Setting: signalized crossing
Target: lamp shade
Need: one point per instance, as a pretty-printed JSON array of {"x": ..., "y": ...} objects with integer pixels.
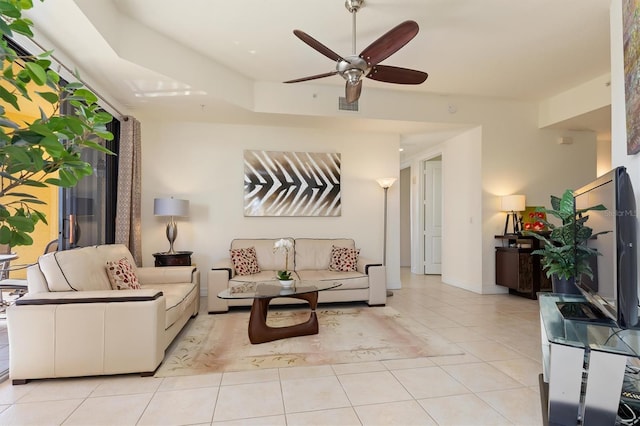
[
  {"x": 170, "y": 207},
  {"x": 512, "y": 203},
  {"x": 386, "y": 182}
]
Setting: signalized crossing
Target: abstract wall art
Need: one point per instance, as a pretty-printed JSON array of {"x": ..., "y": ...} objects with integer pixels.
[
  {"x": 280, "y": 183},
  {"x": 631, "y": 46}
]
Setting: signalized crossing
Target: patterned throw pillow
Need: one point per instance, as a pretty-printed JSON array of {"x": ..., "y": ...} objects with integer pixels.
[
  {"x": 343, "y": 259},
  {"x": 245, "y": 261},
  {"x": 122, "y": 275}
]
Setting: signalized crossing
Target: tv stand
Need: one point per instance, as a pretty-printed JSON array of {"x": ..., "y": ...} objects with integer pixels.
[
  {"x": 583, "y": 364},
  {"x": 583, "y": 311}
]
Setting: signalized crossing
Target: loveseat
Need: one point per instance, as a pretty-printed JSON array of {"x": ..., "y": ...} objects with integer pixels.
[
  {"x": 73, "y": 323},
  {"x": 309, "y": 260}
]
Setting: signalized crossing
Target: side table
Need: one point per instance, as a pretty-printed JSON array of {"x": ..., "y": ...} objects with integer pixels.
[{"x": 179, "y": 258}]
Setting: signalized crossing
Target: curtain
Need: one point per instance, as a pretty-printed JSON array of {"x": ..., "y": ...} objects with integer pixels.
[{"x": 128, "y": 217}]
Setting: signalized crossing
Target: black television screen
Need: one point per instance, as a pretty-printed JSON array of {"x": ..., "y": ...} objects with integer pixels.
[{"x": 614, "y": 287}]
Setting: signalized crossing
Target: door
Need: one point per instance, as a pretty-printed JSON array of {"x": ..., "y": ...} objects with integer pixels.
[
  {"x": 432, "y": 217},
  {"x": 87, "y": 211}
]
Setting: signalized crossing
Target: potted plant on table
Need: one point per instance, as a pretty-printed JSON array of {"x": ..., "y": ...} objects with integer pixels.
[
  {"x": 565, "y": 255},
  {"x": 284, "y": 245}
]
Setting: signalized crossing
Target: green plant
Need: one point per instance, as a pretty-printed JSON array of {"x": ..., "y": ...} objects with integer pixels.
[
  {"x": 284, "y": 275},
  {"x": 44, "y": 151},
  {"x": 565, "y": 253}
]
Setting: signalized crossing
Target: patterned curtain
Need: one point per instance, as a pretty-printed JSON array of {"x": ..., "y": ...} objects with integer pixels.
[{"x": 128, "y": 216}]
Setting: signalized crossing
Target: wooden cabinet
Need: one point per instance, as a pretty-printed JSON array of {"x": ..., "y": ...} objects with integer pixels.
[
  {"x": 517, "y": 268},
  {"x": 179, "y": 258}
]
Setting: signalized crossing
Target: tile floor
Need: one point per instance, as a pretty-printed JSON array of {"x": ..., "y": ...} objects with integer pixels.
[{"x": 494, "y": 383}]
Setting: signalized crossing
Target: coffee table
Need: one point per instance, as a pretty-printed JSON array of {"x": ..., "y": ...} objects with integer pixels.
[{"x": 263, "y": 292}]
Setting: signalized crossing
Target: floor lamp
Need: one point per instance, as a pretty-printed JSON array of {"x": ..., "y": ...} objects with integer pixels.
[{"x": 385, "y": 183}]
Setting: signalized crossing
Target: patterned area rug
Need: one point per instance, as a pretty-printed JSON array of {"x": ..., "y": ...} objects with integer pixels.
[{"x": 218, "y": 343}]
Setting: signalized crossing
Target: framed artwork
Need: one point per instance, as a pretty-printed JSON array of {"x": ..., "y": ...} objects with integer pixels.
[
  {"x": 531, "y": 219},
  {"x": 278, "y": 183},
  {"x": 631, "y": 47}
]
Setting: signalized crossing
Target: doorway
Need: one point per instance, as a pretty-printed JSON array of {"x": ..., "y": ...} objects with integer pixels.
[
  {"x": 432, "y": 215},
  {"x": 421, "y": 201}
]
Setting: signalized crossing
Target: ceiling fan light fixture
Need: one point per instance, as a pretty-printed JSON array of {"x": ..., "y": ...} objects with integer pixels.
[
  {"x": 353, "y": 67},
  {"x": 352, "y": 76}
]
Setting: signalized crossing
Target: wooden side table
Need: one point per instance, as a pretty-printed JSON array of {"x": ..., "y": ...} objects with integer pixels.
[{"x": 179, "y": 258}]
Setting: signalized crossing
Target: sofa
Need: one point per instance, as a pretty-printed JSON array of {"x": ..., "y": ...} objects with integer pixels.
[
  {"x": 73, "y": 323},
  {"x": 309, "y": 260}
]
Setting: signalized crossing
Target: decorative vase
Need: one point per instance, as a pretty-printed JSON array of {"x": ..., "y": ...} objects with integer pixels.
[
  {"x": 286, "y": 283},
  {"x": 564, "y": 285}
]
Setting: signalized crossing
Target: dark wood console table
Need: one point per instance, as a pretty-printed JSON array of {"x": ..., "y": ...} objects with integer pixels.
[
  {"x": 517, "y": 268},
  {"x": 179, "y": 258}
]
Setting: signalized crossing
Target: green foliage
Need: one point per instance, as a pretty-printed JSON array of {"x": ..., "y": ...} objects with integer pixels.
[
  {"x": 565, "y": 252},
  {"x": 47, "y": 150},
  {"x": 284, "y": 275}
]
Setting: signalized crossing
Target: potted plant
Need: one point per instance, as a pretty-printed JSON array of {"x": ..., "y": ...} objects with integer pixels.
[
  {"x": 284, "y": 245},
  {"x": 565, "y": 255},
  {"x": 44, "y": 150}
]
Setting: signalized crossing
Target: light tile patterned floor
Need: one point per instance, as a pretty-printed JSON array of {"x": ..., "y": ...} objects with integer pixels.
[{"x": 494, "y": 383}]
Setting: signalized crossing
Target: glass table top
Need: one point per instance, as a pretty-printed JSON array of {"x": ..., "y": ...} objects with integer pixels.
[
  {"x": 270, "y": 289},
  {"x": 603, "y": 336}
]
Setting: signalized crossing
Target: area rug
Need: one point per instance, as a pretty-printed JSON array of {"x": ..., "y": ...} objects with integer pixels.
[{"x": 219, "y": 343}]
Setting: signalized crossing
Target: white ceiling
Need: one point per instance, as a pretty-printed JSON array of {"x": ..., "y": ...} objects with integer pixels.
[
  {"x": 497, "y": 48},
  {"x": 513, "y": 49}
]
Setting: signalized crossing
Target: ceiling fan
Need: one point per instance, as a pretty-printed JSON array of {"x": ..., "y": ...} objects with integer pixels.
[{"x": 367, "y": 63}]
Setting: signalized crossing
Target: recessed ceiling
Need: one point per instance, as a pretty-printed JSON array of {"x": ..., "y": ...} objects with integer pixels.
[
  {"x": 497, "y": 48},
  {"x": 521, "y": 50}
]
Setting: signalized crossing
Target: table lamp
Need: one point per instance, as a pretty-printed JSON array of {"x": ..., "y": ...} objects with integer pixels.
[
  {"x": 512, "y": 204},
  {"x": 173, "y": 208}
]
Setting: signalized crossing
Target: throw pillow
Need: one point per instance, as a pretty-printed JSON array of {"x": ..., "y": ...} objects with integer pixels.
[
  {"x": 343, "y": 259},
  {"x": 245, "y": 261},
  {"x": 122, "y": 275}
]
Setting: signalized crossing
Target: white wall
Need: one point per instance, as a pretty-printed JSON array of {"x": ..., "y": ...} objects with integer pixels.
[
  {"x": 576, "y": 101},
  {"x": 619, "y": 155},
  {"x": 506, "y": 154},
  {"x": 405, "y": 217},
  {"x": 203, "y": 162},
  {"x": 462, "y": 210},
  {"x": 530, "y": 162}
]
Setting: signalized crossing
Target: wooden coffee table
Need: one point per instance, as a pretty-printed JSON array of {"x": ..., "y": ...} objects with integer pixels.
[{"x": 263, "y": 292}]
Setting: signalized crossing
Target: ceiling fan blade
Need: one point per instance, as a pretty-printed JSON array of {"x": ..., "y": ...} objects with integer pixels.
[
  {"x": 390, "y": 42},
  {"x": 397, "y": 75},
  {"x": 312, "y": 77},
  {"x": 317, "y": 45},
  {"x": 353, "y": 91}
]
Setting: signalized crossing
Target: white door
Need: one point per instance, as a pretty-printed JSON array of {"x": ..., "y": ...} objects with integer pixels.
[{"x": 432, "y": 217}]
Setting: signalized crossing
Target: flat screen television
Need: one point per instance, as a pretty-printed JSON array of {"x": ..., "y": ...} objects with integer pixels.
[{"x": 614, "y": 287}]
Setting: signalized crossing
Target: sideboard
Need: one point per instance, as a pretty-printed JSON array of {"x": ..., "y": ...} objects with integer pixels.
[{"x": 517, "y": 268}]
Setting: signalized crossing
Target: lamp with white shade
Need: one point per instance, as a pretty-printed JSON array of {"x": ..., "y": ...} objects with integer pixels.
[
  {"x": 385, "y": 183},
  {"x": 512, "y": 204},
  {"x": 171, "y": 207}
]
